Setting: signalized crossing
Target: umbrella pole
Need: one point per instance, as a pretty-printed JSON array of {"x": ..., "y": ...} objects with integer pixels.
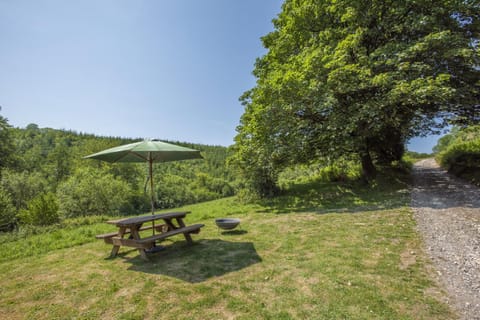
[{"x": 152, "y": 201}]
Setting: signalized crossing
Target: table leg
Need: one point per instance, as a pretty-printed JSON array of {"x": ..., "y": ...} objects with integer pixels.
[
  {"x": 187, "y": 236},
  {"x": 136, "y": 235},
  {"x": 170, "y": 224},
  {"x": 115, "y": 248}
]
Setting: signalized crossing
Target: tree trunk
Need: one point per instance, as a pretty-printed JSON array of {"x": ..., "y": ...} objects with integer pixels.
[{"x": 369, "y": 172}]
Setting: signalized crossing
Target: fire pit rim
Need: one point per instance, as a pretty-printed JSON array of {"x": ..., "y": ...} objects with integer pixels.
[{"x": 227, "y": 223}]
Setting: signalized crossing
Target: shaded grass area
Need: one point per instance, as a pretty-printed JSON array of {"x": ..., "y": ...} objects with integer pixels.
[
  {"x": 293, "y": 265},
  {"x": 390, "y": 190}
]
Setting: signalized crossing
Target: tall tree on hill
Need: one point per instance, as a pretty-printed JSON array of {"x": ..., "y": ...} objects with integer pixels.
[
  {"x": 6, "y": 143},
  {"x": 358, "y": 77}
]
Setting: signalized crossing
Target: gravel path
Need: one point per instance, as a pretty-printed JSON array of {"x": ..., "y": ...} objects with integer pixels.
[{"x": 447, "y": 211}]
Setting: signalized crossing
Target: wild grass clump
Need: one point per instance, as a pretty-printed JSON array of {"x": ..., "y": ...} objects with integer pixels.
[{"x": 338, "y": 171}]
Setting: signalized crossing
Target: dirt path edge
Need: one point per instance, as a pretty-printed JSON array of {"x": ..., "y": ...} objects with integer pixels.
[{"x": 447, "y": 212}]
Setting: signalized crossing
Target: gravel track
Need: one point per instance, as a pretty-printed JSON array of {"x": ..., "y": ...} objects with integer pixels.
[{"x": 447, "y": 211}]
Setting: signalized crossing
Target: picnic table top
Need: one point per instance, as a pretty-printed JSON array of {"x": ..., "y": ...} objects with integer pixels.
[{"x": 142, "y": 219}]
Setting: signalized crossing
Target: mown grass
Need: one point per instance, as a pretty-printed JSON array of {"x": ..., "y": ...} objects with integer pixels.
[{"x": 337, "y": 251}]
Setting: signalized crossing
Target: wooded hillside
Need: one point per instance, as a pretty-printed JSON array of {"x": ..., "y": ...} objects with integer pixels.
[{"x": 45, "y": 178}]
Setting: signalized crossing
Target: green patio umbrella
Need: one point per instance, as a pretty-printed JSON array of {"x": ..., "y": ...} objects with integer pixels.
[{"x": 149, "y": 151}]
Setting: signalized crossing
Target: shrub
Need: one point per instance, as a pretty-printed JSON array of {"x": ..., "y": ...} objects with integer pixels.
[
  {"x": 41, "y": 211},
  {"x": 22, "y": 186},
  {"x": 339, "y": 171},
  {"x": 466, "y": 154},
  {"x": 462, "y": 156},
  {"x": 92, "y": 192},
  {"x": 136, "y": 202},
  {"x": 174, "y": 190},
  {"x": 463, "y": 159},
  {"x": 7, "y": 210}
]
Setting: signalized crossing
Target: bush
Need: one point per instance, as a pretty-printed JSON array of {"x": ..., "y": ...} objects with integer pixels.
[
  {"x": 41, "y": 211},
  {"x": 8, "y": 213},
  {"x": 339, "y": 171},
  {"x": 174, "y": 190},
  {"x": 463, "y": 160},
  {"x": 342, "y": 170},
  {"x": 23, "y": 186},
  {"x": 462, "y": 156},
  {"x": 263, "y": 182},
  {"x": 466, "y": 154},
  {"x": 135, "y": 203},
  {"x": 92, "y": 192}
]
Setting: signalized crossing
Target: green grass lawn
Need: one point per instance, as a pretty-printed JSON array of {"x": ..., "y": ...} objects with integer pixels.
[{"x": 320, "y": 252}]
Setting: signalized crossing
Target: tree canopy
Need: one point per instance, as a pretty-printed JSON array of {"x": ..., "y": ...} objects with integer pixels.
[
  {"x": 357, "y": 78},
  {"x": 6, "y": 143}
]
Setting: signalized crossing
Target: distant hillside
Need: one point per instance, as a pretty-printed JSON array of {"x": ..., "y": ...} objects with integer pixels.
[{"x": 48, "y": 171}]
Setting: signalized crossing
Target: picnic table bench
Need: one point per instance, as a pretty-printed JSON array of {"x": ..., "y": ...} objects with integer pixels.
[{"x": 172, "y": 225}]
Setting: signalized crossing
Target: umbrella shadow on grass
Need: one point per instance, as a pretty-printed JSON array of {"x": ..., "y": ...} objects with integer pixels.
[{"x": 201, "y": 261}]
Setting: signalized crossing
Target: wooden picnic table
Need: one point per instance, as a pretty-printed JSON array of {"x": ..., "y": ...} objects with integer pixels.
[{"x": 172, "y": 225}]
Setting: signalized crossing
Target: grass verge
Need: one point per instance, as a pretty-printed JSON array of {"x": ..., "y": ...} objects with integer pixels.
[{"x": 319, "y": 252}]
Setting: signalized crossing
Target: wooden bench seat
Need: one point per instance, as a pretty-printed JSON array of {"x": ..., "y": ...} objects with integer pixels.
[
  {"x": 194, "y": 228},
  {"x": 148, "y": 242}
]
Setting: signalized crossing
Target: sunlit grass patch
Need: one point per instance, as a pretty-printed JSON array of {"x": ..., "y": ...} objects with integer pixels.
[{"x": 351, "y": 263}]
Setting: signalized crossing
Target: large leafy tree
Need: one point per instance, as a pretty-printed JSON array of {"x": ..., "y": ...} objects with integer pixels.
[
  {"x": 358, "y": 78},
  {"x": 6, "y": 143}
]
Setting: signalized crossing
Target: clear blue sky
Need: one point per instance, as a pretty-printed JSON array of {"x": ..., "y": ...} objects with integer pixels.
[
  {"x": 423, "y": 145},
  {"x": 167, "y": 69}
]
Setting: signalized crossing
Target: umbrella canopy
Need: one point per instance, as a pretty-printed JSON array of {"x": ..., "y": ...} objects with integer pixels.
[{"x": 147, "y": 151}]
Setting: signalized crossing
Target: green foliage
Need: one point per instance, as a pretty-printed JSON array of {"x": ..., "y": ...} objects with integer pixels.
[
  {"x": 257, "y": 170},
  {"x": 91, "y": 192},
  {"x": 41, "y": 211},
  {"x": 443, "y": 143},
  {"x": 187, "y": 182},
  {"x": 177, "y": 190},
  {"x": 23, "y": 186},
  {"x": 339, "y": 171},
  {"x": 459, "y": 153},
  {"x": 417, "y": 155},
  {"x": 260, "y": 182},
  {"x": 51, "y": 161},
  {"x": 357, "y": 79},
  {"x": 465, "y": 154},
  {"x": 410, "y": 157},
  {"x": 7, "y": 148},
  {"x": 302, "y": 255},
  {"x": 7, "y": 210}
]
